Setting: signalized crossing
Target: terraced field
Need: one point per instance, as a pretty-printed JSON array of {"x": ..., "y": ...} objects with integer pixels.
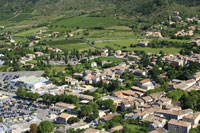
[{"x": 89, "y": 22}]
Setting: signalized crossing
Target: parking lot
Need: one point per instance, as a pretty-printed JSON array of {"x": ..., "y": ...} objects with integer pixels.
[
  {"x": 8, "y": 76},
  {"x": 17, "y": 111}
]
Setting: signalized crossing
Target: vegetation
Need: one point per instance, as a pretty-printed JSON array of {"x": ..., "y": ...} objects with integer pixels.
[{"x": 45, "y": 127}]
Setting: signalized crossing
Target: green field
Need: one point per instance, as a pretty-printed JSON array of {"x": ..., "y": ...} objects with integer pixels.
[
  {"x": 5, "y": 16},
  {"x": 156, "y": 50},
  {"x": 64, "y": 42},
  {"x": 116, "y": 44},
  {"x": 133, "y": 128},
  {"x": 78, "y": 46},
  {"x": 30, "y": 32},
  {"x": 69, "y": 44},
  {"x": 21, "y": 17},
  {"x": 3, "y": 68},
  {"x": 89, "y": 22},
  {"x": 111, "y": 59},
  {"x": 177, "y": 40}
]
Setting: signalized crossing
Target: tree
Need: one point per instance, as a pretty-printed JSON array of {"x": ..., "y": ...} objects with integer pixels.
[
  {"x": 33, "y": 128},
  {"x": 72, "y": 120},
  {"x": 1, "y": 119},
  {"x": 46, "y": 127}
]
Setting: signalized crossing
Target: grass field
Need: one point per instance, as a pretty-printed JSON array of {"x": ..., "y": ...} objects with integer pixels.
[
  {"x": 5, "y": 16},
  {"x": 30, "y": 32},
  {"x": 21, "y": 17},
  {"x": 111, "y": 34},
  {"x": 69, "y": 44},
  {"x": 119, "y": 28},
  {"x": 177, "y": 40},
  {"x": 3, "y": 68},
  {"x": 89, "y": 22},
  {"x": 116, "y": 44},
  {"x": 133, "y": 128},
  {"x": 155, "y": 50},
  {"x": 64, "y": 42},
  {"x": 111, "y": 59},
  {"x": 78, "y": 46}
]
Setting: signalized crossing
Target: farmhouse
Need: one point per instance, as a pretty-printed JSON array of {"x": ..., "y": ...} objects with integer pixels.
[{"x": 143, "y": 43}]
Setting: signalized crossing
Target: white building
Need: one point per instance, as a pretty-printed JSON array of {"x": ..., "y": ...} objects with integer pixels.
[
  {"x": 31, "y": 82},
  {"x": 93, "y": 64},
  {"x": 146, "y": 84}
]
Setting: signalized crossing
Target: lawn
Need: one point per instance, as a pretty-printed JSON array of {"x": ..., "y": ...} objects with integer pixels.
[
  {"x": 89, "y": 22},
  {"x": 133, "y": 128},
  {"x": 30, "y": 32}
]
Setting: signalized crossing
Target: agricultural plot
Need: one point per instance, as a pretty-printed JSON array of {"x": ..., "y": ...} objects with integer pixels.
[
  {"x": 69, "y": 44},
  {"x": 4, "y": 17},
  {"x": 116, "y": 44},
  {"x": 89, "y": 22},
  {"x": 155, "y": 50},
  {"x": 113, "y": 59},
  {"x": 30, "y": 32},
  {"x": 21, "y": 17}
]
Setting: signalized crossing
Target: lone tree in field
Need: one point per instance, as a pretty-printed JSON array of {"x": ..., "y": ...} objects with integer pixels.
[{"x": 46, "y": 127}]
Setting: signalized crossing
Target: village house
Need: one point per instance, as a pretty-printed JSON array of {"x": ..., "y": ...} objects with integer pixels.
[
  {"x": 60, "y": 107},
  {"x": 127, "y": 105},
  {"x": 91, "y": 130},
  {"x": 146, "y": 84},
  {"x": 93, "y": 64},
  {"x": 155, "y": 121},
  {"x": 63, "y": 118},
  {"x": 175, "y": 114},
  {"x": 196, "y": 76},
  {"x": 118, "y": 52},
  {"x": 38, "y": 54},
  {"x": 116, "y": 128},
  {"x": 30, "y": 56},
  {"x": 196, "y": 41},
  {"x": 154, "y": 34},
  {"x": 193, "y": 118},
  {"x": 107, "y": 117},
  {"x": 178, "y": 126},
  {"x": 139, "y": 72},
  {"x": 158, "y": 130},
  {"x": 104, "y": 53},
  {"x": 147, "y": 99},
  {"x": 71, "y": 81},
  {"x": 143, "y": 43}
]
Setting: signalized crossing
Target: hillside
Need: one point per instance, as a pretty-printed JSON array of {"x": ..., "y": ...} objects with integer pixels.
[{"x": 152, "y": 8}]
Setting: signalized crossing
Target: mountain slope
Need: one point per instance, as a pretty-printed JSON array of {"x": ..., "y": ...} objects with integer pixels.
[{"x": 142, "y": 10}]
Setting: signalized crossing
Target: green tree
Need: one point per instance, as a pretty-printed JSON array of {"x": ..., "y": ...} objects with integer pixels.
[{"x": 46, "y": 127}]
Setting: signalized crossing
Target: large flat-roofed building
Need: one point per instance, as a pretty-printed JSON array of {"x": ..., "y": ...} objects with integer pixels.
[{"x": 31, "y": 82}]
